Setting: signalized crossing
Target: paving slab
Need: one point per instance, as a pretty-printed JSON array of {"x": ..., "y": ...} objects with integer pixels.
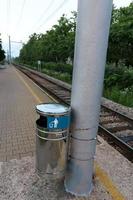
[{"x": 17, "y": 114}]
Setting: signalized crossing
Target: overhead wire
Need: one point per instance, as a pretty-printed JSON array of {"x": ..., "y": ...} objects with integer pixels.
[
  {"x": 43, "y": 13},
  {"x": 8, "y": 15},
  {"x": 19, "y": 17},
  {"x": 52, "y": 14},
  {"x": 21, "y": 13}
]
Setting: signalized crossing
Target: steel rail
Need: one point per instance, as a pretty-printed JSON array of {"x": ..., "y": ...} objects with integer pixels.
[
  {"x": 121, "y": 115},
  {"x": 127, "y": 151},
  {"x": 111, "y": 138}
]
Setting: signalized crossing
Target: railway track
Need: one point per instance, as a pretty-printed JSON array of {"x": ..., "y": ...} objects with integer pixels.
[{"x": 114, "y": 126}]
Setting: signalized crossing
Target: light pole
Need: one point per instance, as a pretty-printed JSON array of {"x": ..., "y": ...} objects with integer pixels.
[
  {"x": 89, "y": 64},
  {"x": 10, "y": 48}
]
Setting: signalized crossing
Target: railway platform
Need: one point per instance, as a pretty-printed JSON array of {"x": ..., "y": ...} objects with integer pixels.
[{"x": 113, "y": 176}]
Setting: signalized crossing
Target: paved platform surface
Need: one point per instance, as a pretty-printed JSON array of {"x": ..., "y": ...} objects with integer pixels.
[
  {"x": 17, "y": 114},
  {"x": 18, "y": 180},
  {"x": 114, "y": 171}
]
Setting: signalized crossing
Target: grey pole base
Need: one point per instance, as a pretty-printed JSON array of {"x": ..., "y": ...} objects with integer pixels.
[{"x": 78, "y": 181}]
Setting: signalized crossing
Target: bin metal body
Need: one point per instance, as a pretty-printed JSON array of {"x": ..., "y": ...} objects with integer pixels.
[{"x": 52, "y": 130}]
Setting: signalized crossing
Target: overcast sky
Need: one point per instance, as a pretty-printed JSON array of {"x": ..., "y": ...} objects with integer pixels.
[{"x": 20, "y": 18}]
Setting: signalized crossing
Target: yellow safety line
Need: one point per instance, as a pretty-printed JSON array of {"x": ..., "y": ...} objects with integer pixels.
[
  {"x": 108, "y": 183},
  {"x": 29, "y": 88},
  {"x": 44, "y": 92},
  {"x": 100, "y": 173},
  {"x": 36, "y": 86}
]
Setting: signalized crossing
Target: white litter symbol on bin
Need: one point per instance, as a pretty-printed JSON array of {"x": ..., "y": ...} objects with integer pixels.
[{"x": 54, "y": 123}]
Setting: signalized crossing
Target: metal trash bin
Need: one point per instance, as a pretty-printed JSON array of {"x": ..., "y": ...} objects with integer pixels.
[{"x": 52, "y": 130}]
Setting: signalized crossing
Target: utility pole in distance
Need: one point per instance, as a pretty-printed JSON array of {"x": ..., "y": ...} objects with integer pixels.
[
  {"x": 9, "y": 50},
  {"x": 88, "y": 75}
]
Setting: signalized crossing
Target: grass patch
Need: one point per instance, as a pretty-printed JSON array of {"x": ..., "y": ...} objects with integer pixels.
[
  {"x": 124, "y": 97},
  {"x": 58, "y": 75}
]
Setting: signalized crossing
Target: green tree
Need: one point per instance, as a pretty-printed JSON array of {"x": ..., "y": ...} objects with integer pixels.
[
  {"x": 2, "y": 52},
  {"x": 54, "y": 46},
  {"x": 121, "y": 36}
]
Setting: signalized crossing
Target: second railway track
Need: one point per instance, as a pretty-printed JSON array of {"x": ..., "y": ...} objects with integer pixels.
[{"x": 114, "y": 126}]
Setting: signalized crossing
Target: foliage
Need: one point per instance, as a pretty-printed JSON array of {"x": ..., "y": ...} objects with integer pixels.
[
  {"x": 124, "y": 97},
  {"x": 61, "y": 76},
  {"x": 121, "y": 36},
  {"x": 58, "y": 67},
  {"x": 56, "y": 45},
  {"x": 121, "y": 77},
  {"x": 2, "y": 52},
  {"x": 118, "y": 84}
]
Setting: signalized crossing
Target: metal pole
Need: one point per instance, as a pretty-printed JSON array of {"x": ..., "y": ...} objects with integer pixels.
[
  {"x": 9, "y": 50},
  {"x": 7, "y": 57},
  {"x": 89, "y": 63}
]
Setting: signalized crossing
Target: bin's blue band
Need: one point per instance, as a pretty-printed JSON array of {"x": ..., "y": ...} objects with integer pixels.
[{"x": 61, "y": 122}]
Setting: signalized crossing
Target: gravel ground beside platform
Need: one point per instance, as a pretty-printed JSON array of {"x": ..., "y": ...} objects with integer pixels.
[
  {"x": 20, "y": 182},
  {"x": 118, "y": 107},
  {"x": 118, "y": 168}
]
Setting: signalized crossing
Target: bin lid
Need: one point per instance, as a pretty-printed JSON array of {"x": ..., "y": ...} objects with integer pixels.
[{"x": 52, "y": 109}]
